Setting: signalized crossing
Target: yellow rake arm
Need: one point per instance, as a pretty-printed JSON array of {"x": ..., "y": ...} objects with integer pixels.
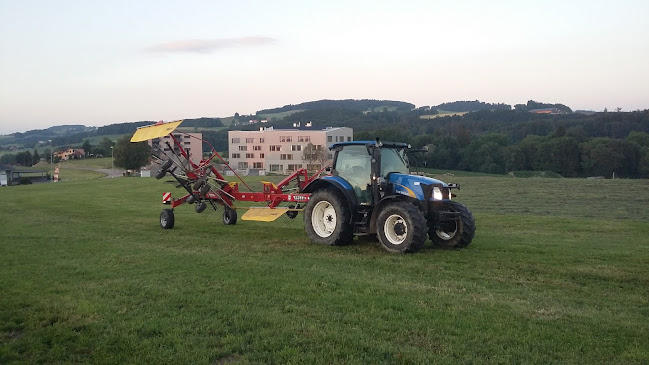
[
  {"x": 154, "y": 131},
  {"x": 266, "y": 214}
]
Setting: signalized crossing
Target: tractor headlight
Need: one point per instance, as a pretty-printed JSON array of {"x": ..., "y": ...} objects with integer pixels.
[{"x": 437, "y": 193}]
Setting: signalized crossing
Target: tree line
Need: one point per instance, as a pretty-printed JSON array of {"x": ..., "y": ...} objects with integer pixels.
[{"x": 501, "y": 141}]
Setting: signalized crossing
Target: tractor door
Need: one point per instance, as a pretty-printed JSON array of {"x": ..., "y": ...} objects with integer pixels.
[{"x": 353, "y": 163}]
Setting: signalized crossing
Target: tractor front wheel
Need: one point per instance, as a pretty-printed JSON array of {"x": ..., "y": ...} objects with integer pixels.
[
  {"x": 167, "y": 219},
  {"x": 401, "y": 227},
  {"x": 327, "y": 219},
  {"x": 457, "y": 233}
]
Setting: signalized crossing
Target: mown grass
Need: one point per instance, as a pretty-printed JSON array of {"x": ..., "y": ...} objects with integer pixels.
[{"x": 89, "y": 277}]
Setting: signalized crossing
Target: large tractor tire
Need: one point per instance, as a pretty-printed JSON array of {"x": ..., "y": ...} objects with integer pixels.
[
  {"x": 167, "y": 219},
  {"x": 401, "y": 227},
  {"x": 327, "y": 219},
  {"x": 455, "y": 234}
]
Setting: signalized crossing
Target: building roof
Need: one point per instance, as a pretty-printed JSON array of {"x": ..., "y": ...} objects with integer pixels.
[{"x": 14, "y": 170}]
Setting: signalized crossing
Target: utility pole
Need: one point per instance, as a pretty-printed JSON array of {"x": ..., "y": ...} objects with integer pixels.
[
  {"x": 51, "y": 160},
  {"x": 112, "y": 163}
]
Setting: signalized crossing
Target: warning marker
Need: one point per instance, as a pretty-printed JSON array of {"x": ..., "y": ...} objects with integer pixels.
[{"x": 166, "y": 198}]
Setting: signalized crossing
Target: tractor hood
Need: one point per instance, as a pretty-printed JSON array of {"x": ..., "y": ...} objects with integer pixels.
[{"x": 414, "y": 185}]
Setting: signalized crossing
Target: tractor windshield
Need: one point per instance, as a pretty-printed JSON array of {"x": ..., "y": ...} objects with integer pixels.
[{"x": 394, "y": 160}]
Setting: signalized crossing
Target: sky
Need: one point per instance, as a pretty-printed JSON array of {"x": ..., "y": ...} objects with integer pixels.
[{"x": 102, "y": 62}]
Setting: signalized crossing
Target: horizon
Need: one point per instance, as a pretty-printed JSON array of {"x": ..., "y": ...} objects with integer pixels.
[
  {"x": 95, "y": 64},
  {"x": 279, "y": 106}
]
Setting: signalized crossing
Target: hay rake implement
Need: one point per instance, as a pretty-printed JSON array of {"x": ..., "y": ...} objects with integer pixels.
[{"x": 206, "y": 187}]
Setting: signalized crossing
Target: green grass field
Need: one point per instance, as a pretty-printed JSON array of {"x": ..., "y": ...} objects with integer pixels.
[
  {"x": 558, "y": 273},
  {"x": 442, "y": 113}
]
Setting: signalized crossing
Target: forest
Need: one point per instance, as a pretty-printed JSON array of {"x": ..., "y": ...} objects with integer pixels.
[{"x": 501, "y": 141}]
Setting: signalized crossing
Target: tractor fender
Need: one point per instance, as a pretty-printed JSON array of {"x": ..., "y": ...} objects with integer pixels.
[
  {"x": 335, "y": 183},
  {"x": 385, "y": 201}
]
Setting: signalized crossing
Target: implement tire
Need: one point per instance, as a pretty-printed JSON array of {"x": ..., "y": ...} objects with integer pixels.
[
  {"x": 454, "y": 234},
  {"x": 167, "y": 219},
  {"x": 327, "y": 219},
  {"x": 401, "y": 227},
  {"x": 229, "y": 216}
]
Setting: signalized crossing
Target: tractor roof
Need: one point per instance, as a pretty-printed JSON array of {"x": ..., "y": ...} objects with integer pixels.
[{"x": 370, "y": 143}]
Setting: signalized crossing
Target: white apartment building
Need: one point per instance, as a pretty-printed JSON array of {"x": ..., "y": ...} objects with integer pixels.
[{"x": 280, "y": 150}]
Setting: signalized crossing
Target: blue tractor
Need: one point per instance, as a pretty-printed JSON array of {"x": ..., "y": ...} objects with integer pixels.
[{"x": 370, "y": 192}]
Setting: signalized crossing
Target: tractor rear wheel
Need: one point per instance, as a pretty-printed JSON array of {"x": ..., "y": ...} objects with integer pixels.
[
  {"x": 327, "y": 219},
  {"x": 401, "y": 227},
  {"x": 454, "y": 234},
  {"x": 167, "y": 219},
  {"x": 229, "y": 216}
]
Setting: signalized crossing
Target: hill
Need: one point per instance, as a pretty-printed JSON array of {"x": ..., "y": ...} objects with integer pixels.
[
  {"x": 347, "y": 104},
  {"x": 471, "y": 106}
]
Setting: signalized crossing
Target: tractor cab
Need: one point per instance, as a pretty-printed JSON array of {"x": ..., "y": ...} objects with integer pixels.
[{"x": 368, "y": 165}]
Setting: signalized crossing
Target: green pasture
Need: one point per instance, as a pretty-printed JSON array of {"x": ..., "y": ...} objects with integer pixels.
[
  {"x": 278, "y": 116},
  {"x": 442, "y": 113},
  {"x": 558, "y": 273}
]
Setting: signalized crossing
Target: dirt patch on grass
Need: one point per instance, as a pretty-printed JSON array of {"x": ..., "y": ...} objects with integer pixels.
[{"x": 228, "y": 359}]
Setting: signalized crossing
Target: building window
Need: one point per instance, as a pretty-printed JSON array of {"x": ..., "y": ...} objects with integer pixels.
[
  {"x": 250, "y": 155},
  {"x": 243, "y": 165},
  {"x": 261, "y": 140},
  {"x": 296, "y": 147},
  {"x": 261, "y": 155},
  {"x": 250, "y": 140},
  {"x": 236, "y": 140},
  {"x": 286, "y": 139},
  {"x": 257, "y": 165},
  {"x": 329, "y": 139},
  {"x": 243, "y": 148},
  {"x": 294, "y": 167},
  {"x": 313, "y": 167},
  {"x": 304, "y": 139},
  {"x": 286, "y": 156},
  {"x": 349, "y": 139},
  {"x": 276, "y": 148},
  {"x": 276, "y": 168},
  {"x": 236, "y": 155},
  {"x": 256, "y": 148}
]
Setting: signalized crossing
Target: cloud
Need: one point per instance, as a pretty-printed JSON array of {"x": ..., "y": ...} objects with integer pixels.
[{"x": 209, "y": 45}]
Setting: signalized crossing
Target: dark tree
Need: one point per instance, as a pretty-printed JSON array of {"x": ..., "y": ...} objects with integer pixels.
[
  {"x": 87, "y": 147},
  {"x": 24, "y": 158},
  {"x": 35, "y": 157},
  {"x": 131, "y": 156},
  {"x": 104, "y": 146}
]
